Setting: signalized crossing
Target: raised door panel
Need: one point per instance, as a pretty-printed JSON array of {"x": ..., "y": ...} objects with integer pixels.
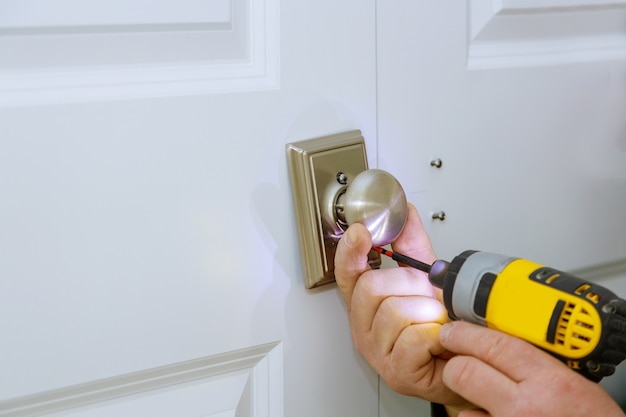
[
  {"x": 512, "y": 33},
  {"x": 246, "y": 383},
  {"x": 147, "y": 217},
  {"x": 523, "y": 103},
  {"x": 534, "y": 153},
  {"x": 133, "y": 50}
]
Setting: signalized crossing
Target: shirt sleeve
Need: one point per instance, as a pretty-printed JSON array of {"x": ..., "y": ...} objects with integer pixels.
[{"x": 438, "y": 410}]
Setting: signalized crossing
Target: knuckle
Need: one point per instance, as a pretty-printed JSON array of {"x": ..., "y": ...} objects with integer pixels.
[
  {"x": 395, "y": 378},
  {"x": 369, "y": 283},
  {"x": 498, "y": 347},
  {"x": 390, "y": 307},
  {"x": 460, "y": 371}
]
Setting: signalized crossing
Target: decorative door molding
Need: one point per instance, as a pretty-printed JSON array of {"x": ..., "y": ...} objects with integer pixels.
[
  {"x": 245, "y": 383},
  {"x": 191, "y": 47},
  {"x": 522, "y": 33}
]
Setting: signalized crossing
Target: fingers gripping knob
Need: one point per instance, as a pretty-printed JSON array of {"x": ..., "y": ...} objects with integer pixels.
[{"x": 375, "y": 199}]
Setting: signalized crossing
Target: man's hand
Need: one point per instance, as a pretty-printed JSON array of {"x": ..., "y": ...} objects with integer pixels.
[
  {"x": 508, "y": 377},
  {"x": 395, "y": 314}
]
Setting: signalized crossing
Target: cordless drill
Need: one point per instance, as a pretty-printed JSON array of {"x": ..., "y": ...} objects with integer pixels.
[{"x": 581, "y": 323}]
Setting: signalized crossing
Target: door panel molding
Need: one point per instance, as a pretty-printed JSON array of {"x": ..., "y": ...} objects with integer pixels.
[
  {"x": 246, "y": 382},
  {"x": 514, "y": 33},
  {"x": 30, "y": 14},
  {"x": 56, "y": 60}
]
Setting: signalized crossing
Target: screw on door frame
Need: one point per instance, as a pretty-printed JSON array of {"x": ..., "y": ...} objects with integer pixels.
[
  {"x": 440, "y": 215},
  {"x": 437, "y": 163}
]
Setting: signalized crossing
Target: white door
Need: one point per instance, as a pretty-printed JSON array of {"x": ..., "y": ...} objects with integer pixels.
[
  {"x": 148, "y": 259},
  {"x": 148, "y": 252},
  {"x": 524, "y": 103}
]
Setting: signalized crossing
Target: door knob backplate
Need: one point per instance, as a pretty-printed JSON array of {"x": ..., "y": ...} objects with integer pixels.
[{"x": 321, "y": 170}]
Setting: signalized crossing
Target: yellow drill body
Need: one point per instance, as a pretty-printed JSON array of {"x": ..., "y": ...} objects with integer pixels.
[
  {"x": 552, "y": 319},
  {"x": 579, "y": 322}
]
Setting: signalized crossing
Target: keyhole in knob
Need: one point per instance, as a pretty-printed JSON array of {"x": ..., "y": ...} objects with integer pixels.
[{"x": 375, "y": 199}]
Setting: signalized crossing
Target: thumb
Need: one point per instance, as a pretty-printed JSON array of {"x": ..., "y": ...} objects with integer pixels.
[{"x": 351, "y": 259}]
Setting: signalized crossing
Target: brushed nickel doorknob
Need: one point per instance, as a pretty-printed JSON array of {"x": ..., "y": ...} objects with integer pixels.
[
  {"x": 375, "y": 199},
  {"x": 332, "y": 187}
]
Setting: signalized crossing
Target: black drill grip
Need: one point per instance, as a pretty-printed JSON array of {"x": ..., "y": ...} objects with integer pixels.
[{"x": 614, "y": 349}]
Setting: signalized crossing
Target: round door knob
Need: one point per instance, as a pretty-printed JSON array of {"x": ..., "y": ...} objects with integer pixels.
[{"x": 375, "y": 199}]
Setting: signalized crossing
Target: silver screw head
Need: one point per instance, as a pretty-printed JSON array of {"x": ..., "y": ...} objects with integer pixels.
[
  {"x": 440, "y": 215},
  {"x": 437, "y": 163}
]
